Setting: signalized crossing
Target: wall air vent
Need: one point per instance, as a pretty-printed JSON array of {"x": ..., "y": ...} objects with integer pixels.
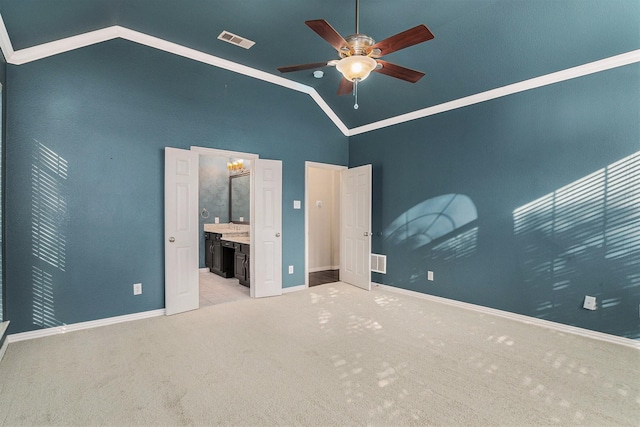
[
  {"x": 228, "y": 37},
  {"x": 379, "y": 263}
]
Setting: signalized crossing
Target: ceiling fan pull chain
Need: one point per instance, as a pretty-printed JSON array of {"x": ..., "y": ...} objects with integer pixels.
[{"x": 355, "y": 93}]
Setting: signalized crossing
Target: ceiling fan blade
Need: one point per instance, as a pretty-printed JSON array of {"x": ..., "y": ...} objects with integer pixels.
[
  {"x": 300, "y": 67},
  {"x": 398, "y": 72},
  {"x": 402, "y": 40},
  {"x": 328, "y": 33},
  {"x": 346, "y": 87}
]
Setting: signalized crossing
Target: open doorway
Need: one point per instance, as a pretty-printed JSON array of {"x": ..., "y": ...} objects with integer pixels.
[
  {"x": 219, "y": 172},
  {"x": 322, "y": 222},
  {"x": 263, "y": 253}
]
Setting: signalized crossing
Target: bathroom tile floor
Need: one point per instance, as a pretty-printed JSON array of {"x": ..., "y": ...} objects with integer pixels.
[{"x": 218, "y": 290}]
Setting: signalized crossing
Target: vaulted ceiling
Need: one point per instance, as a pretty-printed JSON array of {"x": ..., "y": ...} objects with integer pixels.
[{"x": 479, "y": 46}]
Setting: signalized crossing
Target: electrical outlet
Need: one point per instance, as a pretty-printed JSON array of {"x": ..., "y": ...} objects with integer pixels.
[
  {"x": 137, "y": 288},
  {"x": 291, "y": 269},
  {"x": 589, "y": 303},
  {"x": 430, "y": 276}
]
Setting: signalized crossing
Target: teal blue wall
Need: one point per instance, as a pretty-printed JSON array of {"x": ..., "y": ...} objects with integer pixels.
[
  {"x": 85, "y": 133},
  {"x": 85, "y": 138},
  {"x": 504, "y": 154}
]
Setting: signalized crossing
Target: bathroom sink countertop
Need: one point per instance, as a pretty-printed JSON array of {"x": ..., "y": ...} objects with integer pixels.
[
  {"x": 228, "y": 229},
  {"x": 237, "y": 239},
  {"x": 237, "y": 233}
]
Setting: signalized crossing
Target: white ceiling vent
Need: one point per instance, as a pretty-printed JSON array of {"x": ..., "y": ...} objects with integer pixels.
[
  {"x": 237, "y": 40},
  {"x": 379, "y": 263}
]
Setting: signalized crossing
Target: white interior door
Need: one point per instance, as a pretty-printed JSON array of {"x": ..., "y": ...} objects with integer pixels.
[
  {"x": 266, "y": 228},
  {"x": 181, "y": 287},
  {"x": 355, "y": 227}
]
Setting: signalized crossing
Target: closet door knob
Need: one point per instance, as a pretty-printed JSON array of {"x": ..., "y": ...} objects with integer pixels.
[
  {"x": 277, "y": 234},
  {"x": 172, "y": 239}
]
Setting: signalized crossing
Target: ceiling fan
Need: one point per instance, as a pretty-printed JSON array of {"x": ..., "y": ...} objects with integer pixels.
[{"x": 360, "y": 54}]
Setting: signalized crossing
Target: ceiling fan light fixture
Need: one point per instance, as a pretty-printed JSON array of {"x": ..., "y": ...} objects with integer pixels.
[{"x": 356, "y": 67}]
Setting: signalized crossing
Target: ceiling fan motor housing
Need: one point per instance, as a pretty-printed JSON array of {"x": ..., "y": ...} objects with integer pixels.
[{"x": 359, "y": 44}]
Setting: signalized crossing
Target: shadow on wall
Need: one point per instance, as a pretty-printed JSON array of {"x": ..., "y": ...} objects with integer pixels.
[
  {"x": 441, "y": 227},
  {"x": 584, "y": 238},
  {"x": 48, "y": 226}
]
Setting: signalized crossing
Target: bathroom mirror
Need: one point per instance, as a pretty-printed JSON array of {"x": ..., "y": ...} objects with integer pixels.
[{"x": 239, "y": 198}]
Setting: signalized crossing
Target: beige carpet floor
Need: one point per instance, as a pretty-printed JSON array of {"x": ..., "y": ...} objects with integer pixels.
[{"x": 330, "y": 355}]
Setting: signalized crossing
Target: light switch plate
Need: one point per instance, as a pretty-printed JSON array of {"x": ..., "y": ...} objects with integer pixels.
[{"x": 296, "y": 204}]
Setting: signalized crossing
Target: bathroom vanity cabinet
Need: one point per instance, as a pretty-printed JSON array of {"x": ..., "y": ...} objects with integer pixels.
[
  {"x": 227, "y": 257},
  {"x": 208, "y": 250},
  {"x": 241, "y": 265},
  {"x": 221, "y": 256}
]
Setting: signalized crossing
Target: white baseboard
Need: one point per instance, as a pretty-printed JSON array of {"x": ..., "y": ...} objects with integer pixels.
[
  {"x": 5, "y": 343},
  {"x": 329, "y": 267},
  {"x": 83, "y": 325},
  {"x": 294, "y": 289},
  {"x": 204, "y": 270},
  {"x": 3, "y": 328},
  {"x": 614, "y": 339},
  {"x": 3, "y": 349}
]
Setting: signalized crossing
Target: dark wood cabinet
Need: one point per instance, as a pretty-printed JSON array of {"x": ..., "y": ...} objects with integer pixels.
[
  {"x": 208, "y": 250},
  {"x": 221, "y": 256},
  {"x": 216, "y": 257},
  {"x": 226, "y": 258},
  {"x": 242, "y": 270}
]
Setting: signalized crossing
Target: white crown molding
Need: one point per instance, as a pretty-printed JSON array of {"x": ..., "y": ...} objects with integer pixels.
[
  {"x": 206, "y": 58},
  {"x": 330, "y": 113},
  {"x": 548, "y": 79},
  {"x": 560, "y": 327},
  {"x": 5, "y": 41},
  {"x": 34, "y": 53},
  {"x": 215, "y": 61},
  {"x": 57, "y": 47},
  {"x": 24, "y": 56}
]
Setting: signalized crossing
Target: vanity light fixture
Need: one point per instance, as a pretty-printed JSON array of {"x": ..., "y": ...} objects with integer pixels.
[{"x": 236, "y": 167}]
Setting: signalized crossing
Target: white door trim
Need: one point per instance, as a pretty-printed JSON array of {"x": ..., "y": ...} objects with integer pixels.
[
  {"x": 308, "y": 165},
  {"x": 223, "y": 153}
]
